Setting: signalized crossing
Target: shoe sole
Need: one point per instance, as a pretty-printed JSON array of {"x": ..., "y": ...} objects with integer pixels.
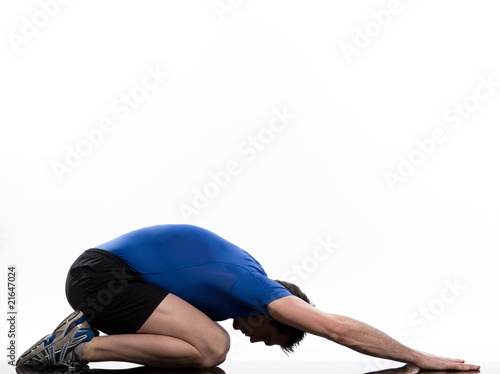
[{"x": 38, "y": 346}]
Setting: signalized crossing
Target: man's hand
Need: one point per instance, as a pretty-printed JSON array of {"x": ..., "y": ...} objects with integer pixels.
[
  {"x": 413, "y": 369},
  {"x": 427, "y": 361}
]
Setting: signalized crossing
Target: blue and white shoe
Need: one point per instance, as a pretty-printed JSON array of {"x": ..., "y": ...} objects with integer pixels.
[{"x": 57, "y": 349}]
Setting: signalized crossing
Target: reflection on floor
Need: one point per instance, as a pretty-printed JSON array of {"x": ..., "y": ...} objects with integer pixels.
[
  {"x": 137, "y": 370},
  {"x": 254, "y": 367}
]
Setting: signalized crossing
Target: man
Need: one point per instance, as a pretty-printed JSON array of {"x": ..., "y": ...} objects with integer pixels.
[{"x": 157, "y": 291}]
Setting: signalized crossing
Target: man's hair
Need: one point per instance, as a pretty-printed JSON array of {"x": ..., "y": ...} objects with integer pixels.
[{"x": 296, "y": 335}]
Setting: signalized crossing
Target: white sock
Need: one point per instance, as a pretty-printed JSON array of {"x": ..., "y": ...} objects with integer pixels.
[{"x": 78, "y": 351}]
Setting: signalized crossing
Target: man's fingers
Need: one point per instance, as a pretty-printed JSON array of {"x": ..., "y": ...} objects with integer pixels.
[
  {"x": 466, "y": 367},
  {"x": 459, "y": 364}
]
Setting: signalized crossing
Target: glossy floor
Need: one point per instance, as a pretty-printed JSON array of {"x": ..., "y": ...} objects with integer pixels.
[{"x": 254, "y": 367}]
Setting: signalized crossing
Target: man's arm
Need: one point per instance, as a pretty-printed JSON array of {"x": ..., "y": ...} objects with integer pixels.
[{"x": 356, "y": 335}]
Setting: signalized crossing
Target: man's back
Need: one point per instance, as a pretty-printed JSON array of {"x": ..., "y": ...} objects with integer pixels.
[{"x": 216, "y": 276}]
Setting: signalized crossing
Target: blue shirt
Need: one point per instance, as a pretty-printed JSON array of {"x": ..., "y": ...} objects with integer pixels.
[{"x": 212, "y": 274}]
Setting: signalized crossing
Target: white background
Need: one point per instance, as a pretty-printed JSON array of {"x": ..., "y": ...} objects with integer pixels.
[{"x": 322, "y": 176}]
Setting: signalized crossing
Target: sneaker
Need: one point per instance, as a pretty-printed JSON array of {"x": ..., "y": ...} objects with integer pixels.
[{"x": 57, "y": 349}]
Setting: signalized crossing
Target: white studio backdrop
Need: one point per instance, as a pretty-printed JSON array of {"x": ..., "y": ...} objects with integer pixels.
[{"x": 350, "y": 146}]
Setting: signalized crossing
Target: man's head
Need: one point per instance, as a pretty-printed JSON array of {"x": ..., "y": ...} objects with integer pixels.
[{"x": 271, "y": 331}]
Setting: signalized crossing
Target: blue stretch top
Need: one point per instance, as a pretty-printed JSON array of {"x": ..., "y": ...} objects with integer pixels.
[{"x": 212, "y": 274}]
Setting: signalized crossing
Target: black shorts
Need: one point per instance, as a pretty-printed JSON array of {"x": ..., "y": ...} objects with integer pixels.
[{"x": 113, "y": 297}]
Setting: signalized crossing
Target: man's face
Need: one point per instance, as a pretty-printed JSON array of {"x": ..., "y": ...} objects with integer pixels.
[{"x": 260, "y": 329}]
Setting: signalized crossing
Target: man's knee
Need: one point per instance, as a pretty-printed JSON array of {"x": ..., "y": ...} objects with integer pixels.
[
  {"x": 215, "y": 350},
  {"x": 216, "y": 357}
]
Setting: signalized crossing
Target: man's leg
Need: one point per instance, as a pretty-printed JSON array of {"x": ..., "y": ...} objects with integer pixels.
[{"x": 176, "y": 335}]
